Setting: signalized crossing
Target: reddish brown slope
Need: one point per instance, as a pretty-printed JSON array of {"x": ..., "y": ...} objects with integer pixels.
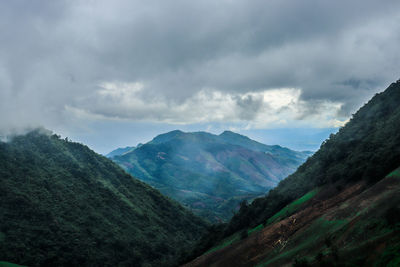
[{"x": 332, "y": 224}]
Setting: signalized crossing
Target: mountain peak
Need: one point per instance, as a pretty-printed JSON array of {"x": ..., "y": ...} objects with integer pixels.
[
  {"x": 162, "y": 138},
  {"x": 230, "y": 133},
  {"x": 235, "y": 137},
  {"x": 175, "y": 132}
]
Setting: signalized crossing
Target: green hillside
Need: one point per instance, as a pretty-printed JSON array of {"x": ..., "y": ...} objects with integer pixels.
[
  {"x": 210, "y": 174},
  {"x": 61, "y": 204},
  {"x": 358, "y": 226},
  {"x": 327, "y": 194},
  {"x": 366, "y": 148}
]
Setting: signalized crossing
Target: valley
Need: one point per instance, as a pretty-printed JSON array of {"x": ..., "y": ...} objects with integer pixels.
[
  {"x": 204, "y": 133},
  {"x": 63, "y": 204}
]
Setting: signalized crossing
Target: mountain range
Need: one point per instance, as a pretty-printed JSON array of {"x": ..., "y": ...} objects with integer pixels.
[{"x": 210, "y": 174}]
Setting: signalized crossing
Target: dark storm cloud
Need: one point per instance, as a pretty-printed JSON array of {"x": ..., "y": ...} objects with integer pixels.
[
  {"x": 54, "y": 54},
  {"x": 248, "y": 107}
]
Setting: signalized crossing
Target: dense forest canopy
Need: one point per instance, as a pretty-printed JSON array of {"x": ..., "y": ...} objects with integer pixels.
[{"x": 62, "y": 204}]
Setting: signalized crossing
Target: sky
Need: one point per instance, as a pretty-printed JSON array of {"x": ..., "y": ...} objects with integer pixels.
[{"x": 116, "y": 73}]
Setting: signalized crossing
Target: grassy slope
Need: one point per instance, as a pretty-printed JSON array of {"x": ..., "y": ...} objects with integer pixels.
[
  {"x": 292, "y": 207},
  {"x": 63, "y": 204},
  {"x": 355, "y": 234},
  {"x": 282, "y": 214},
  {"x": 357, "y": 229}
]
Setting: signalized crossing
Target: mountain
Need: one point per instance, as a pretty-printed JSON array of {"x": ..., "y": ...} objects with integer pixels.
[
  {"x": 120, "y": 151},
  {"x": 210, "y": 174},
  {"x": 61, "y": 204},
  {"x": 340, "y": 208},
  {"x": 282, "y": 154}
]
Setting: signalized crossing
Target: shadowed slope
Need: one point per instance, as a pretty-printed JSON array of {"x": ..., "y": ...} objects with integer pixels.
[{"x": 63, "y": 204}]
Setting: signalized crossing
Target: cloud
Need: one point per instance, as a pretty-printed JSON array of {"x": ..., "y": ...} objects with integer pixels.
[
  {"x": 194, "y": 61},
  {"x": 262, "y": 109}
]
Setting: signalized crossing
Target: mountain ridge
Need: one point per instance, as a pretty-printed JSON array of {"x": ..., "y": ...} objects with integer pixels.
[
  {"x": 208, "y": 173},
  {"x": 120, "y": 151},
  {"x": 62, "y": 204}
]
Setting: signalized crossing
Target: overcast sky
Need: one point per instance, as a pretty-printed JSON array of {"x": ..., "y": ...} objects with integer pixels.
[{"x": 110, "y": 73}]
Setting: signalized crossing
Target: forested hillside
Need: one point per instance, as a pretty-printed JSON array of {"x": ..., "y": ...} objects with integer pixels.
[
  {"x": 334, "y": 184},
  {"x": 61, "y": 204},
  {"x": 366, "y": 148}
]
